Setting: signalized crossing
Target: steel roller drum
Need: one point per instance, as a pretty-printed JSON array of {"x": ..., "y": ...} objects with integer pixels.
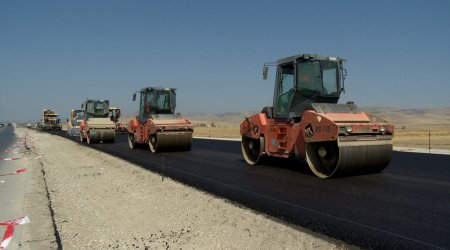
[
  {"x": 105, "y": 135},
  {"x": 327, "y": 159},
  {"x": 175, "y": 140},
  {"x": 252, "y": 149}
]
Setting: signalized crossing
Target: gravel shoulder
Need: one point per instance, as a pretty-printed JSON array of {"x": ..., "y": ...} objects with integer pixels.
[{"x": 100, "y": 201}]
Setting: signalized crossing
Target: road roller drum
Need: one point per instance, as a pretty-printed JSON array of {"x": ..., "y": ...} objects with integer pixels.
[
  {"x": 170, "y": 140},
  {"x": 101, "y": 135},
  {"x": 334, "y": 159}
]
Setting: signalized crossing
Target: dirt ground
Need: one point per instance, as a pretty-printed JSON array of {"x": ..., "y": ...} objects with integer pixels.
[{"x": 102, "y": 202}]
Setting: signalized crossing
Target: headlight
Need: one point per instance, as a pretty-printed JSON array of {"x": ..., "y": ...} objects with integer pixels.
[
  {"x": 382, "y": 129},
  {"x": 345, "y": 130},
  {"x": 348, "y": 129}
]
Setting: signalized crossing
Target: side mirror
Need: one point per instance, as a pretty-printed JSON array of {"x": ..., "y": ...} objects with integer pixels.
[
  {"x": 173, "y": 100},
  {"x": 344, "y": 75},
  {"x": 265, "y": 71},
  {"x": 82, "y": 106},
  {"x": 67, "y": 120},
  {"x": 134, "y": 97}
]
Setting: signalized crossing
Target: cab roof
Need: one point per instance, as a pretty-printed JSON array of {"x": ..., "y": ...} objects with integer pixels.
[
  {"x": 147, "y": 89},
  {"x": 97, "y": 100},
  {"x": 309, "y": 57}
]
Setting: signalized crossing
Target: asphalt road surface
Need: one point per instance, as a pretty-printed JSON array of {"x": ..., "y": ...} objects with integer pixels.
[
  {"x": 406, "y": 206},
  {"x": 12, "y": 187}
]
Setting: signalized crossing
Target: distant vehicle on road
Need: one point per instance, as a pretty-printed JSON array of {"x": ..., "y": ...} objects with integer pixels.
[
  {"x": 157, "y": 123},
  {"x": 50, "y": 120},
  {"x": 96, "y": 126}
]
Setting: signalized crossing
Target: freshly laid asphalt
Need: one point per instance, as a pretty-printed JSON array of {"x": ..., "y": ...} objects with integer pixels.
[{"x": 407, "y": 206}]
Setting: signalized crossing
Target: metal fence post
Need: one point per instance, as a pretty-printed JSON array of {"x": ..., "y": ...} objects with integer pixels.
[{"x": 429, "y": 142}]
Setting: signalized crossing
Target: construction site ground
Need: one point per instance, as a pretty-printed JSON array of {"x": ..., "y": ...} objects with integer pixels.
[{"x": 101, "y": 202}]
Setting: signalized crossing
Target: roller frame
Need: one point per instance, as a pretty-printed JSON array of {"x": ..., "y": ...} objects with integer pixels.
[{"x": 356, "y": 154}]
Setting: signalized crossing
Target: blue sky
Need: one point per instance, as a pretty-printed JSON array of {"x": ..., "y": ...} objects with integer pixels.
[{"x": 54, "y": 54}]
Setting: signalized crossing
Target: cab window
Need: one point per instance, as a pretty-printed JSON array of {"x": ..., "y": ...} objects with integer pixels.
[{"x": 285, "y": 90}]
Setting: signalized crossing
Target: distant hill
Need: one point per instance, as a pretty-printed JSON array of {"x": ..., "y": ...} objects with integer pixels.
[
  {"x": 407, "y": 116},
  {"x": 398, "y": 116},
  {"x": 228, "y": 118}
]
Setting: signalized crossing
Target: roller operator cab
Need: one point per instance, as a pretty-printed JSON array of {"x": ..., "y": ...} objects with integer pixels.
[
  {"x": 114, "y": 115},
  {"x": 306, "y": 122},
  {"x": 74, "y": 121},
  {"x": 96, "y": 125},
  {"x": 157, "y": 123}
]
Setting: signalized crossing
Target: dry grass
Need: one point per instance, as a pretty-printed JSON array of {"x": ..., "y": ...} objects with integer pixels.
[
  {"x": 222, "y": 132},
  {"x": 423, "y": 136}
]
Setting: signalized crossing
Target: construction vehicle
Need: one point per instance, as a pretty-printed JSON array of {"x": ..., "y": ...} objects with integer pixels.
[
  {"x": 74, "y": 121},
  {"x": 306, "y": 122},
  {"x": 157, "y": 124},
  {"x": 50, "y": 121},
  {"x": 96, "y": 126},
  {"x": 114, "y": 115}
]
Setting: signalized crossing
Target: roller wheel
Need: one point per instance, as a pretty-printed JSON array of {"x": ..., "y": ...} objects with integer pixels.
[
  {"x": 322, "y": 158},
  {"x": 153, "y": 143},
  {"x": 252, "y": 149},
  {"x": 131, "y": 142},
  {"x": 328, "y": 159},
  {"x": 89, "y": 139}
]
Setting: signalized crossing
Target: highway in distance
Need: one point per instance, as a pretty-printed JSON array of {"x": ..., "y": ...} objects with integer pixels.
[{"x": 406, "y": 206}]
